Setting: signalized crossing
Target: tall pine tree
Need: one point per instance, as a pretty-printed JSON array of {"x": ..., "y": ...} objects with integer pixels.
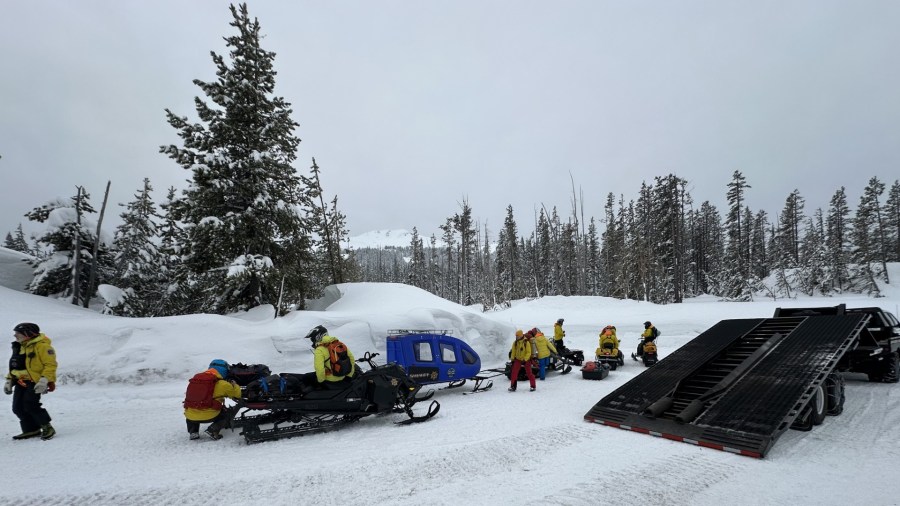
[{"x": 244, "y": 232}]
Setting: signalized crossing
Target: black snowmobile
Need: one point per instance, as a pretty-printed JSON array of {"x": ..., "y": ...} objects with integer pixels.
[{"x": 289, "y": 407}]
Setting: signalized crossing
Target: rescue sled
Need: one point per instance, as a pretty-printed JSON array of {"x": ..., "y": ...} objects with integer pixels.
[
  {"x": 289, "y": 408},
  {"x": 433, "y": 356},
  {"x": 595, "y": 370}
]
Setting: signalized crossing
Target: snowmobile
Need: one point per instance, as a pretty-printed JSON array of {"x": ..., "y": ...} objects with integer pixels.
[
  {"x": 595, "y": 370},
  {"x": 608, "y": 352},
  {"x": 432, "y": 356},
  {"x": 611, "y": 355},
  {"x": 649, "y": 356},
  {"x": 573, "y": 357},
  {"x": 290, "y": 407}
]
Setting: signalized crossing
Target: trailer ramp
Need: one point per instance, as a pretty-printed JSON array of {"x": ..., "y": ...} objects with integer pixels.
[{"x": 737, "y": 386}]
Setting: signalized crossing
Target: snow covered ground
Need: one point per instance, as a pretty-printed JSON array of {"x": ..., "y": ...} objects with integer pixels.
[{"x": 121, "y": 436}]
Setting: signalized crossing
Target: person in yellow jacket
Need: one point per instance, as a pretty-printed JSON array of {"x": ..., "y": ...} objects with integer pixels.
[
  {"x": 203, "y": 404},
  {"x": 544, "y": 350},
  {"x": 647, "y": 336},
  {"x": 322, "y": 357},
  {"x": 608, "y": 341},
  {"x": 522, "y": 353},
  {"x": 32, "y": 372},
  {"x": 558, "y": 335}
]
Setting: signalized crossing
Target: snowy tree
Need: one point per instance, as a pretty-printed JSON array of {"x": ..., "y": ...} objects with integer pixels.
[
  {"x": 868, "y": 241},
  {"x": 140, "y": 270},
  {"x": 509, "y": 282},
  {"x": 242, "y": 212},
  {"x": 66, "y": 226},
  {"x": 892, "y": 223},
  {"x": 737, "y": 246},
  {"x": 837, "y": 238},
  {"x": 416, "y": 267},
  {"x": 18, "y": 242},
  {"x": 814, "y": 276}
]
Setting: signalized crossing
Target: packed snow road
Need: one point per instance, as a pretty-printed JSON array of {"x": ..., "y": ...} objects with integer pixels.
[{"x": 127, "y": 445}]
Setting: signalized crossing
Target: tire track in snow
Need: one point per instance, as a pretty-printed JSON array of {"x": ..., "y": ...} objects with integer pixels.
[{"x": 690, "y": 475}]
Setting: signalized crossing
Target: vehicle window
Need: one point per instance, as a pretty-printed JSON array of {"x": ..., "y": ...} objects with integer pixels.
[
  {"x": 468, "y": 356},
  {"x": 448, "y": 354},
  {"x": 422, "y": 351},
  {"x": 892, "y": 319}
]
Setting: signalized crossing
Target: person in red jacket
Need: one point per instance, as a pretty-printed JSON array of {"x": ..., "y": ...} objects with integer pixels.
[{"x": 204, "y": 400}]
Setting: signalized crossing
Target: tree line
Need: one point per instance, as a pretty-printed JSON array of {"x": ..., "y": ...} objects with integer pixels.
[{"x": 659, "y": 247}]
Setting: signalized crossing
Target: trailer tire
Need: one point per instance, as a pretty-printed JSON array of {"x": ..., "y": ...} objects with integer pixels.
[
  {"x": 818, "y": 405},
  {"x": 834, "y": 390}
]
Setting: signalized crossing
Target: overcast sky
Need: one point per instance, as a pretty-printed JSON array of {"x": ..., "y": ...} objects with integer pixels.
[{"x": 409, "y": 106}]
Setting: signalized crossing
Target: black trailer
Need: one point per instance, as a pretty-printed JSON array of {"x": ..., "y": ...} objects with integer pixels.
[{"x": 739, "y": 385}]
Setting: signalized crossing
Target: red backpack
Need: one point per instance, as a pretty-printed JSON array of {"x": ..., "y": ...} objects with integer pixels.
[{"x": 199, "y": 394}]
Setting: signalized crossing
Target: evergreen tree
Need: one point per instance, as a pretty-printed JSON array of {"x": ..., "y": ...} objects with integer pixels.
[
  {"x": 736, "y": 272},
  {"x": 708, "y": 250},
  {"x": 814, "y": 275},
  {"x": 594, "y": 273},
  {"x": 789, "y": 229},
  {"x": 243, "y": 232},
  {"x": 509, "y": 283},
  {"x": 837, "y": 228},
  {"x": 18, "y": 242},
  {"x": 759, "y": 258},
  {"x": 140, "y": 269},
  {"x": 67, "y": 225},
  {"x": 417, "y": 268},
  {"x": 891, "y": 223},
  {"x": 612, "y": 245},
  {"x": 867, "y": 238}
]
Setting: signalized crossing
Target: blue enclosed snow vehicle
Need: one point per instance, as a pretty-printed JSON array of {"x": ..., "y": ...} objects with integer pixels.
[{"x": 433, "y": 356}]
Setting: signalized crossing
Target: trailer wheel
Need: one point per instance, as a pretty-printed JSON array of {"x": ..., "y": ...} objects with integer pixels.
[
  {"x": 818, "y": 405},
  {"x": 834, "y": 388}
]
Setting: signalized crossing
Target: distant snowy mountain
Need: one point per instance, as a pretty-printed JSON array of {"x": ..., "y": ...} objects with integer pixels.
[{"x": 387, "y": 238}]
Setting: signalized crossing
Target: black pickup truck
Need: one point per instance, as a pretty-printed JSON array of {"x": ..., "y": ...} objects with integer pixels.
[{"x": 877, "y": 354}]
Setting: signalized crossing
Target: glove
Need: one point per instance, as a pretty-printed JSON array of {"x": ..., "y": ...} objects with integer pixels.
[
  {"x": 51, "y": 386},
  {"x": 41, "y": 385},
  {"x": 7, "y": 387}
]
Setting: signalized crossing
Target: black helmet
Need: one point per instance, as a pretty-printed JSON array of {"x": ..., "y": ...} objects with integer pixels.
[
  {"x": 27, "y": 329},
  {"x": 316, "y": 334},
  {"x": 560, "y": 321},
  {"x": 647, "y": 324}
]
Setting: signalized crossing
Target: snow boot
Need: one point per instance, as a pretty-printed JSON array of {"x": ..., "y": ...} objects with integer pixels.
[
  {"x": 214, "y": 434},
  {"x": 195, "y": 435},
  {"x": 532, "y": 389},
  {"x": 28, "y": 435},
  {"x": 512, "y": 389},
  {"x": 47, "y": 432}
]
